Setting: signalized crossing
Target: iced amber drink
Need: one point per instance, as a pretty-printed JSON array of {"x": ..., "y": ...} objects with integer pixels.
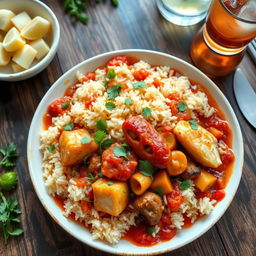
[{"x": 220, "y": 45}]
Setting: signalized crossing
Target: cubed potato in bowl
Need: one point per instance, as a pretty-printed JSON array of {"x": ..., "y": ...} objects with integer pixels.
[
  {"x": 75, "y": 145},
  {"x": 110, "y": 197}
]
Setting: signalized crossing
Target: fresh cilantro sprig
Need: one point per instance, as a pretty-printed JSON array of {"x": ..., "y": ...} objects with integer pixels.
[
  {"x": 146, "y": 168},
  {"x": 8, "y": 214},
  {"x": 9, "y": 154},
  {"x": 77, "y": 8},
  {"x": 120, "y": 151}
]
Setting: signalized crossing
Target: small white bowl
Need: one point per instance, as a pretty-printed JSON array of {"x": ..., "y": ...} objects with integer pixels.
[
  {"x": 33, "y": 8},
  {"x": 184, "y": 236}
]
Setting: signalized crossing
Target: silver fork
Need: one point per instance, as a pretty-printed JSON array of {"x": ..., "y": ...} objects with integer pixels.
[{"x": 252, "y": 49}]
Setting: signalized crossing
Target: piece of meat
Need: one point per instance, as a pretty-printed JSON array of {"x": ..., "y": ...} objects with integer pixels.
[
  {"x": 146, "y": 142},
  {"x": 94, "y": 164},
  {"x": 150, "y": 205}
]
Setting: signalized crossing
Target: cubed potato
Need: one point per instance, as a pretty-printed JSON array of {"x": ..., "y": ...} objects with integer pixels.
[
  {"x": 4, "y": 56},
  {"x": 72, "y": 150},
  {"x": 20, "y": 20},
  {"x": 204, "y": 181},
  {"x": 110, "y": 197},
  {"x": 41, "y": 47},
  {"x": 162, "y": 180},
  {"x": 36, "y": 28},
  {"x": 5, "y": 19},
  {"x": 13, "y": 41},
  {"x": 25, "y": 56},
  {"x": 16, "y": 68},
  {"x": 200, "y": 143}
]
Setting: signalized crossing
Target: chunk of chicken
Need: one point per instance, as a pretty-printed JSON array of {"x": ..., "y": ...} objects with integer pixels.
[
  {"x": 75, "y": 145},
  {"x": 200, "y": 143}
]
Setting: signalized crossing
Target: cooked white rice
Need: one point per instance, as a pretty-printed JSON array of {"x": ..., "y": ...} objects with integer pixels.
[{"x": 59, "y": 180}]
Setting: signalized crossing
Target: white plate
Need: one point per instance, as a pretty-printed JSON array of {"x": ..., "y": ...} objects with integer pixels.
[{"x": 183, "y": 237}]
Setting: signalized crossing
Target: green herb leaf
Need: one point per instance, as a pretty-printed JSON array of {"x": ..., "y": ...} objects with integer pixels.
[
  {"x": 110, "y": 183},
  {"x": 16, "y": 232},
  {"x": 51, "y": 148},
  {"x": 65, "y": 105},
  {"x": 146, "y": 168},
  {"x": 185, "y": 184},
  {"x": 86, "y": 140},
  {"x": 9, "y": 155},
  {"x": 105, "y": 83},
  {"x": 139, "y": 85},
  {"x": 69, "y": 126},
  {"x": 90, "y": 176},
  {"x": 110, "y": 105},
  {"x": 99, "y": 136},
  {"x": 128, "y": 101},
  {"x": 150, "y": 230},
  {"x": 146, "y": 112},
  {"x": 114, "y": 91},
  {"x": 9, "y": 211},
  {"x": 193, "y": 124},
  {"x": 111, "y": 74},
  {"x": 159, "y": 191},
  {"x": 120, "y": 152},
  {"x": 106, "y": 143},
  {"x": 86, "y": 199},
  {"x": 182, "y": 106},
  {"x": 102, "y": 125}
]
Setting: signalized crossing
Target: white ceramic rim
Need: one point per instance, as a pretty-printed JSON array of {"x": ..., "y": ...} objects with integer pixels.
[
  {"x": 42, "y": 64},
  {"x": 148, "y": 250}
]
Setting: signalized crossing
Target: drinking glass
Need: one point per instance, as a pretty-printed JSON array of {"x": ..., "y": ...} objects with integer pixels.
[
  {"x": 220, "y": 45},
  {"x": 183, "y": 12}
]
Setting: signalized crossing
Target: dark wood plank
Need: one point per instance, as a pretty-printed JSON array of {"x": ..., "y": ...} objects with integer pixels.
[{"x": 134, "y": 24}]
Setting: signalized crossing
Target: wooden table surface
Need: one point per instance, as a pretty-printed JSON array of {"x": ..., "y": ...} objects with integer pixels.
[{"x": 134, "y": 24}]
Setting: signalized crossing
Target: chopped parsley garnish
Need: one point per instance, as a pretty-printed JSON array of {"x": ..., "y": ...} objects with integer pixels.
[
  {"x": 185, "y": 184},
  {"x": 128, "y": 101},
  {"x": 102, "y": 125},
  {"x": 76, "y": 8},
  {"x": 150, "y": 230},
  {"x": 159, "y": 191},
  {"x": 110, "y": 105},
  {"x": 86, "y": 199},
  {"x": 120, "y": 151},
  {"x": 8, "y": 214},
  {"x": 86, "y": 140},
  {"x": 146, "y": 168},
  {"x": 107, "y": 143},
  {"x": 182, "y": 106},
  {"x": 99, "y": 136},
  {"x": 139, "y": 85},
  {"x": 105, "y": 83},
  {"x": 9, "y": 155},
  {"x": 111, "y": 74},
  {"x": 146, "y": 112},
  {"x": 90, "y": 176},
  {"x": 114, "y": 91},
  {"x": 69, "y": 126},
  {"x": 51, "y": 148},
  {"x": 193, "y": 124},
  {"x": 114, "y": 2},
  {"x": 65, "y": 105},
  {"x": 110, "y": 183}
]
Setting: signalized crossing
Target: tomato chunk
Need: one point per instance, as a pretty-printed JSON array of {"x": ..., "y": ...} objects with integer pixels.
[
  {"x": 89, "y": 76},
  {"x": 57, "y": 108},
  {"x": 174, "y": 199},
  {"x": 119, "y": 168},
  {"x": 167, "y": 233},
  {"x": 141, "y": 74},
  {"x": 218, "y": 195}
]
